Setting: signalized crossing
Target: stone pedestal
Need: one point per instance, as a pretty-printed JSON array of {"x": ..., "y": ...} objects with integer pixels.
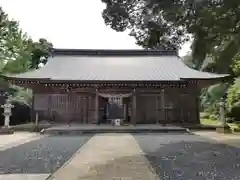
[
  {"x": 223, "y": 129},
  {"x": 6, "y": 130}
]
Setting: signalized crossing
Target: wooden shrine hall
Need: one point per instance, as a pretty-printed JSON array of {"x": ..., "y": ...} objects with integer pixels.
[{"x": 95, "y": 86}]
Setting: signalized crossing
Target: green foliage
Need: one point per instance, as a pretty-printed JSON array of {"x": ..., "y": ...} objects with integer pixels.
[
  {"x": 204, "y": 115},
  {"x": 188, "y": 60},
  {"x": 233, "y": 100},
  {"x": 213, "y": 116},
  {"x": 22, "y": 95},
  {"x": 214, "y": 26},
  {"x": 18, "y": 54},
  {"x": 236, "y": 65},
  {"x": 41, "y": 50},
  {"x": 217, "y": 91},
  {"x": 211, "y": 96},
  {"x": 233, "y": 93}
]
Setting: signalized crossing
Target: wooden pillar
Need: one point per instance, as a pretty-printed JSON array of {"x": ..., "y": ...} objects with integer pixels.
[
  {"x": 157, "y": 114},
  {"x": 96, "y": 107},
  {"x": 33, "y": 108},
  {"x": 50, "y": 106},
  {"x": 163, "y": 105},
  {"x": 134, "y": 108},
  {"x": 198, "y": 107},
  {"x": 125, "y": 110}
]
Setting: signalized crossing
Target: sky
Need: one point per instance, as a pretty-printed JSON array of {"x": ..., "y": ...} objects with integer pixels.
[{"x": 69, "y": 24}]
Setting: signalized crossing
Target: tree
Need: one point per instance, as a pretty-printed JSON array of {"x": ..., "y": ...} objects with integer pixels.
[
  {"x": 213, "y": 24},
  {"x": 19, "y": 53},
  {"x": 41, "y": 50},
  {"x": 187, "y": 59},
  {"x": 233, "y": 100}
]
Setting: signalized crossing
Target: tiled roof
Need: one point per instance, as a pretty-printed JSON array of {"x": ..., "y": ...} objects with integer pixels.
[{"x": 116, "y": 65}]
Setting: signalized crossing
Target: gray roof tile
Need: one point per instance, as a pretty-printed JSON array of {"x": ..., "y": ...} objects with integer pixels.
[{"x": 112, "y": 65}]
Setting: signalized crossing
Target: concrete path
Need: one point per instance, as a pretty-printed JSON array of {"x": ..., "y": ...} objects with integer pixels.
[
  {"x": 24, "y": 177},
  {"x": 18, "y": 138},
  {"x": 107, "y": 157}
]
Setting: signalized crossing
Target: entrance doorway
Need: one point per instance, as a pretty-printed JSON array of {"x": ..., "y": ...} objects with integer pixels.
[{"x": 114, "y": 108}]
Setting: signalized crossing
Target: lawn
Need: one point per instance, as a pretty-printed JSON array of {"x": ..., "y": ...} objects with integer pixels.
[{"x": 211, "y": 122}]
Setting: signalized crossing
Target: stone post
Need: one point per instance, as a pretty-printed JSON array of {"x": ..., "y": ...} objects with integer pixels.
[
  {"x": 223, "y": 128},
  {"x": 36, "y": 119},
  {"x": 7, "y": 114},
  {"x": 222, "y": 113}
]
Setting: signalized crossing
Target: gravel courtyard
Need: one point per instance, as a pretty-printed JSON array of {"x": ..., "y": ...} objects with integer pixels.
[
  {"x": 190, "y": 157},
  {"x": 41, "y": 156},
  {"x": 171, "y": 157}
]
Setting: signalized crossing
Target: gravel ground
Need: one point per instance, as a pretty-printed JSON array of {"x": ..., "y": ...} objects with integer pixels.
[
  {"x": 190, "y": 157},
  {"x": 40, "y": 156}
]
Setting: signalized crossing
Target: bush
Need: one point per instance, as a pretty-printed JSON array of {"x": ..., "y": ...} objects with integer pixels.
[
  {"x": 233, "y": 101},
  {"x": 204, "y": 115},
  {"x": 229, "y": 120},
  {"x": 213, "y": 116},
  {"x": 234, "y": 112}
]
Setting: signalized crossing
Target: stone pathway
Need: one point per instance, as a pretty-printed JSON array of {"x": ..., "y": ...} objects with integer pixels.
[
  {"x": 18, "y": 138},
  {"x": 107, "y": 157}
]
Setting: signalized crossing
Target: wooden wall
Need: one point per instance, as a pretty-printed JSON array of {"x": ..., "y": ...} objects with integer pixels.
[
  {"x": 79, "y": 108},
  {"x": 171, "y": 105}
]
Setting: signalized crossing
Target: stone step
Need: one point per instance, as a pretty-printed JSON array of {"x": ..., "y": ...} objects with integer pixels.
[
  {"x": 76, "y": 131},
  {"x": 6, "y": 130}
]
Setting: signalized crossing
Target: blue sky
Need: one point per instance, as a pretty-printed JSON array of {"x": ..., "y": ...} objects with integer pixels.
[{"x": 69, "y": 24}]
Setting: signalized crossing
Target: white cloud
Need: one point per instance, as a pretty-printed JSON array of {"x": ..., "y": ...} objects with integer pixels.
[{"x": 67, "y": 23}]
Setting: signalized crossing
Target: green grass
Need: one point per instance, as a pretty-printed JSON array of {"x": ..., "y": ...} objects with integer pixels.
[
  {"x": 211, "y": 122},
  {"x": 208, "y": 122}
]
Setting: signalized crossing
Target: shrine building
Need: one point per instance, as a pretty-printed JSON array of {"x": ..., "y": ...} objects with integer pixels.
[{"x": 95, "y": 86}]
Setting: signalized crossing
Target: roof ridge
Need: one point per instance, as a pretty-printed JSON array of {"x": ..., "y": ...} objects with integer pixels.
[{"x": 115, "y": 52}]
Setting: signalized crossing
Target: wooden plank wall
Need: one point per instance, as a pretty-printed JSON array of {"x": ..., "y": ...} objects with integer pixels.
[
  {"x": 180, "y": 105},
  {"x": 77, "y": 108},
  {"x": 176, "y": 105}
]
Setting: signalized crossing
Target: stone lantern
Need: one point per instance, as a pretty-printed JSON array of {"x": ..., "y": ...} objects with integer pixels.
[
  {"x": 223, "y": 127},
  {"x": 7, "y": 112}
]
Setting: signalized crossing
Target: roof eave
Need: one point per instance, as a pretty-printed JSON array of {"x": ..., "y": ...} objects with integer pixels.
[
  {"x": 222, "y": 76},
  {"x": 49, "y": 80}
]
